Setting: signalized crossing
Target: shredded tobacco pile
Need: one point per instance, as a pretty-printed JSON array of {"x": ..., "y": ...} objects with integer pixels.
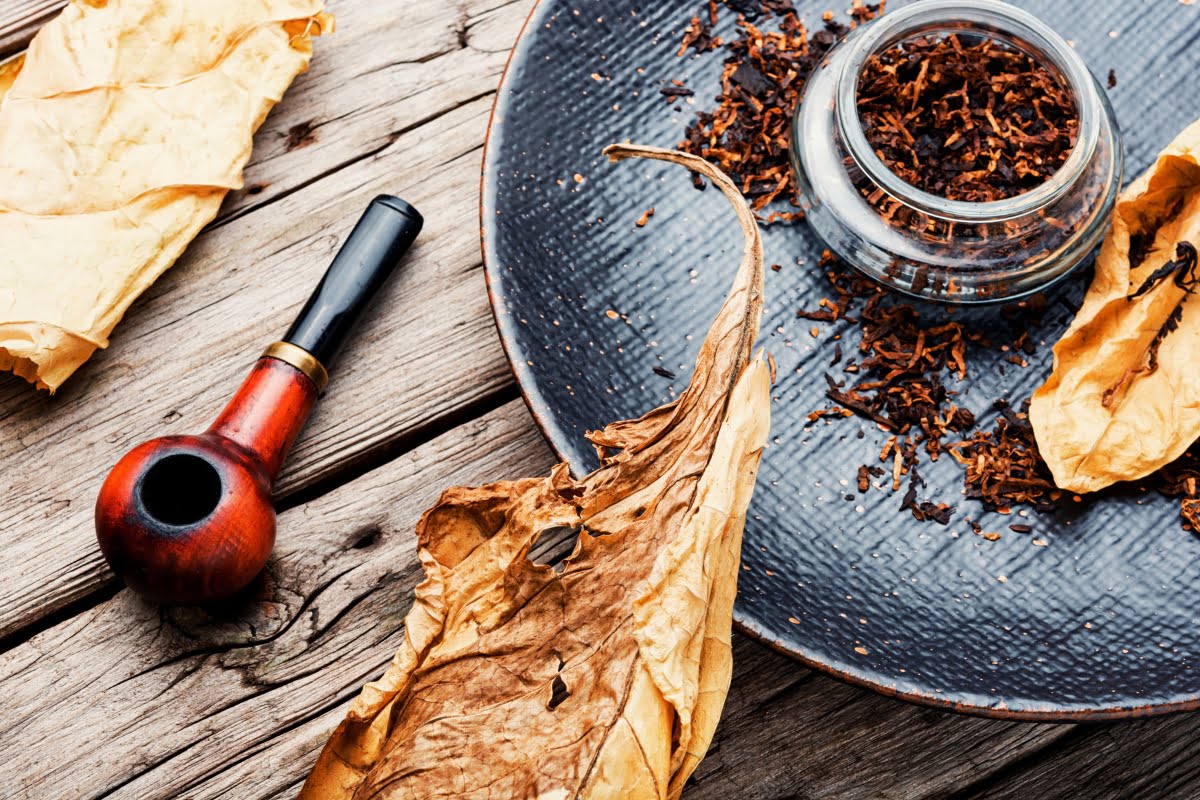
[
  {"x": 1182, "y": 479},
  {"x": 902, "y": 387},
  {"x": 765, "y": 72},
  {"x": 967, "y": 120},
  {"x": 901, "y": 374},
  {"x": 1003, "y": 466}
]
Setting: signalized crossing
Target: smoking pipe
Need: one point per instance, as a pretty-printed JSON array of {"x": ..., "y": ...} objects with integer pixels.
[{"x": 189, "y": 519}]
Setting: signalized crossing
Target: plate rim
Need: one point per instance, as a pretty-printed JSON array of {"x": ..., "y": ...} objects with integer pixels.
[{"x": 552, "y": 433}]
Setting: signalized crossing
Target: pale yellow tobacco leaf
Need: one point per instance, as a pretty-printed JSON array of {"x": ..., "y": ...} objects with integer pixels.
[
  {"x": 605, "y": 679},
  {"x": 1151, "y": 417},
  {"x": 120, "y": 134}
]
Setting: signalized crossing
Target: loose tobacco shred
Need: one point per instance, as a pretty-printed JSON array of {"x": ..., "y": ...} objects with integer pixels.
[
  {"x": 903, "y": 363},
  {"x": 1003, "y": 466},
  {"x": 1182, "y": 479},
  {"x": 699, "y": 36},
  {"x": 975, "y": 121},
  {"x": 746, "y": 134}
]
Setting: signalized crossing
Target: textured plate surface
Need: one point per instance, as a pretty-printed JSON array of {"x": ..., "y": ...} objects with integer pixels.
[{"x": 1104, "y": 622}]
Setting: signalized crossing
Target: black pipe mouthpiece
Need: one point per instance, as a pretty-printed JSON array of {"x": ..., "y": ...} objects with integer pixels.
[{"x": 380, "y": 239}]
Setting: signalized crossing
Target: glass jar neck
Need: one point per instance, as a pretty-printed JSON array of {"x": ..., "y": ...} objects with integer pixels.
[{"x": 994, "y": 20}]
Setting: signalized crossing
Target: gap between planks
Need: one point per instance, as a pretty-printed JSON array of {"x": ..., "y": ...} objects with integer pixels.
[
  {"x": 21, "y": 19},
  {"x": 153, "y": 703},
  {"x": 1041, "y": 770},
  {"x": 427, "y": 357}
]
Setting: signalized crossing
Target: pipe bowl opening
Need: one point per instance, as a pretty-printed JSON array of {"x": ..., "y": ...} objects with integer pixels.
[{"x": 181, "y": 489}]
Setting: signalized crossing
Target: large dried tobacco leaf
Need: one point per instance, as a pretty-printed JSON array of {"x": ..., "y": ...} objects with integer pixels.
[
  {"x": 119, "y": 136},
  {"x": 1124, "y": 397},
  {"x": 604, "y": 680}
]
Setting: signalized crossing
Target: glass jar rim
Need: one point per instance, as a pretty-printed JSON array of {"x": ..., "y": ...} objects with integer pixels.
[{"x": 997, "y": 20}]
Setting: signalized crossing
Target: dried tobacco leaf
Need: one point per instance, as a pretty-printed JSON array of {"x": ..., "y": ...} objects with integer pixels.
[
  {"x": 1122, "y": 399},
  {"x": 9, "y": 69},
  {"x": 605, "y": 679},
  {"x": 119, "y": 137}
]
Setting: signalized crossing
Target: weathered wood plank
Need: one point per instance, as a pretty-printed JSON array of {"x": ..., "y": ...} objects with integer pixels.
[
  {"x": 390, "y": 67},
  {"x": 20, "y": 19},
  {"x": 427, "y": 353},
  {"x": 144, "y": 701},
  {"x": 370, "y": 80},
  {"x": 1151, "y": 759},
  {"x": 789, "y": 732},
  {"x": 155, "y": 703}
]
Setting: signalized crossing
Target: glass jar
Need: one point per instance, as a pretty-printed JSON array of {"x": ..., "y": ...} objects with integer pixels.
[{"x": 925, "y": 245}]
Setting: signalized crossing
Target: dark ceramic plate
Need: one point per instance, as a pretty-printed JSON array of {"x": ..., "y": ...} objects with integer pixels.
[{"x": 1104, "y": 622}]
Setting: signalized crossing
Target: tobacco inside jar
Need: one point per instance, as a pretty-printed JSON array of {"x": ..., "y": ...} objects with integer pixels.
[{"x": 957, "y": 151}]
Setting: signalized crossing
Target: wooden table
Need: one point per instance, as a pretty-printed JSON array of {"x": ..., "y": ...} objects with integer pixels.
[{"x": 107, "y": 696}]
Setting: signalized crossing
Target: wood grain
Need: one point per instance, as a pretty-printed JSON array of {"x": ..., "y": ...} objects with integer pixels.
[
  {"x": 144, "y": 701},
  {"x": 237, "y": 701},
  {"x": 150, "y": 703},
  {"x": 20, "y": 19},
  {"x": 427, "y": 352},
  {"x": 788, "y": 732},
  {"x": 125, "y": 700},
  {"x": 1150, "y": 759}
]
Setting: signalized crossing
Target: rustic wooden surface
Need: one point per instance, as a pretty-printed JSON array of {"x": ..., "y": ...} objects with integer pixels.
[{"x": 106, "y": 696}]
